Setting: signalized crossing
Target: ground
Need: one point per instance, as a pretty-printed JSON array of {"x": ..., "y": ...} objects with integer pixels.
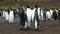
[{"x": 46, "y": 27}]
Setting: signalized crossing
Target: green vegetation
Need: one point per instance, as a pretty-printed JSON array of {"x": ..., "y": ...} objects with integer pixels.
[
  {"x": 8, "y": 0},
  {"x": 16, "y": 3},
  {"x": 22, "y": 0},
  {"x": 34, "y": 0}
]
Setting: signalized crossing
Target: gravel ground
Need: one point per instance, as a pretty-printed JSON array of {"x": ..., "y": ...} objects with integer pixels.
[{"x": 46, "y": 27}]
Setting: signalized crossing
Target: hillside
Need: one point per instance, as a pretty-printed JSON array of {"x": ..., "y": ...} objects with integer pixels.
[{"x": 42, "y": 3}]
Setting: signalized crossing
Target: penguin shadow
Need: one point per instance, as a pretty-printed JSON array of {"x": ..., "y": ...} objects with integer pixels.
[{"x": 28, "y": 30}]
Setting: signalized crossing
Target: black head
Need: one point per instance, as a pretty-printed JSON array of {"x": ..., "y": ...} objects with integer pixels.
[
  {"x": 36, "y": 6},
  {"x": 28, "y": 6}
]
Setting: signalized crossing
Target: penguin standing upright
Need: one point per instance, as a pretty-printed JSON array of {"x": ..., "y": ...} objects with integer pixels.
[
  {"x": 6, "y": 16},
  {"x": 22, "y": 17},
  {"x": 54, "y": 15},
  {"x": 4, "y": 13},
  {"x": 36, "y": 18},
  {"x": 28, "y": 13},
  {"x": 11, "y": 16}
]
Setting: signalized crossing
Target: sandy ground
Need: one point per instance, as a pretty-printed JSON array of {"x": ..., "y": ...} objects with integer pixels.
[{"x": 46, "y": 27}]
